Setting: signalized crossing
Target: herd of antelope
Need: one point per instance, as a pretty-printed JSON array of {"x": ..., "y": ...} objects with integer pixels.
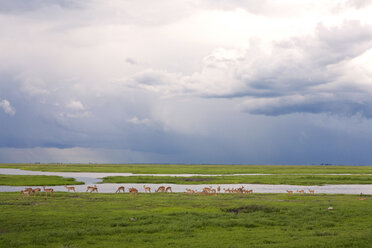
[
  {"x": 133, "y": 191},
  {"x": 30, "y": 191},
  {"x": 210, "y": 190},
  {"x": 301, "y": 192}
]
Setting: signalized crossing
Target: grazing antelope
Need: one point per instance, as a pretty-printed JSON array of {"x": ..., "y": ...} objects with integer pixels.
[
  {"x": 160, "y": 189},
  {"x": 70, "y": 188},
  {"x": 121, "y": 188},
  {"x": 250, "y": 191},
  {"x": 290, "y": 192},
  {"x": 190, "y": 191},
  {"x": 206, "y": 190},
  {"x": 213, "y": 191},
  {"x": 50, "y": 191},
  {"x": 311, "y": 191},
  {"x": 301, "y": 191},
  {"x": 25, "y": 193},
  {"x": 169, "y": 189},
  {"x": 28, "y": 190},
  {"x": 147, "y": 189},
  {"x": 35, "y": 191},
  {"x": 239, "y": 190},
  {"x": 227, "y": 190},
  {"x": 133, "y": 191}
]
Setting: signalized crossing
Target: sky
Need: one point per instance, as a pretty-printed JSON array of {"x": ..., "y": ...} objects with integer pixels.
[{"x": 186, "y": 81}]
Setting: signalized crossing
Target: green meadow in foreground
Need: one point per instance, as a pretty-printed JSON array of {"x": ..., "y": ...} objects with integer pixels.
[
  {"x": 256, "y": 179},
  {"x": 193, "y": 169},
  {"x": 181, "y": 220},
  {"x": 20, "y": 180}
]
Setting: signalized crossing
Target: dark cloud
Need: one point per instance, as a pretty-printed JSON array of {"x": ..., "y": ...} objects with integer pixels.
[
  {"x": 131, "y": 61},
  {"x": 32, "y": 5}
]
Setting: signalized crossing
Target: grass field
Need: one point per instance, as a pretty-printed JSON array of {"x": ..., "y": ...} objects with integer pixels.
[
  {"x": 256, "y": 179},
  {"x": 20, "y": 180},
  {"x": 180, "y": 220},
  {"x": 193, "y": 169}
]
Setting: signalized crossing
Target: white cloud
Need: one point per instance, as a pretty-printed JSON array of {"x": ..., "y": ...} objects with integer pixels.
[
  {"x": 137, "y": 121},
  {"x": 8, "y": 109},
  {"x": 75, "y": 105}
]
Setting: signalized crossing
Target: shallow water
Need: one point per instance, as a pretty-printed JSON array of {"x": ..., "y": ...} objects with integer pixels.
[
  {"x": 257, "y": 188},
  {"x": 94, "y": 178}
]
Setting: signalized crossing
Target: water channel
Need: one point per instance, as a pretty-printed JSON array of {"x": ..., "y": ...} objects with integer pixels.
[{"x": 95, "y": 178}]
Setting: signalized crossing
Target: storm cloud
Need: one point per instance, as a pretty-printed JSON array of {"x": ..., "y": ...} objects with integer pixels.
[{"x": 186, "y": 81}]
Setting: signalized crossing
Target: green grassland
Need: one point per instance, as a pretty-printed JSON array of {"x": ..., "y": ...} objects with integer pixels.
[
  {"x": 181, "y": 220},
  {"x": 193, "y": 169},
  {"x": 256, "y": 179},
  {"x": 20, "y": 180}
]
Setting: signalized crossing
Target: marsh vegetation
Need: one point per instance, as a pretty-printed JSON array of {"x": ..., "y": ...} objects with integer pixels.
[{"x": 184, "y": 220}]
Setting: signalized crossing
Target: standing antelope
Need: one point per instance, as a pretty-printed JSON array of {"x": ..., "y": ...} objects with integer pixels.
[
  {"x": 35, "y": 191},
  {"x": 290, "y": 192},
  {"x": 121, "y": 188},
  {"x": 169, "y": 189},
  {"x": 133, "y": 191},
  {"x": 147, "y": 189},
  {"x": 312, "y": 191},
  {"x": 301, "y": 191},
  {"x": 70, "y": 188},
  {"x": 92, "y": 189},
  {"x": 160, "y": 189},
  {"x": 218, "y": 189},
  {"x": 50, "y": 191}
]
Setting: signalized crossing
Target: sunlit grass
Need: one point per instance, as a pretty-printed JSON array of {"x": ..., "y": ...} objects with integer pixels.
[
  {"x": 20, "y": 180},
  {"x": 192, "y": 169},
  {"x": 180, "y": 220},
  {"x": 256, "y": 179}
]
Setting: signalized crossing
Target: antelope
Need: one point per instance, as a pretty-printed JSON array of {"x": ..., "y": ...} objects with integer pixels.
[
  {"x": 189, "y": 191},
  {"x": 35, "y": 191},
  {"x": 312, "y": 191},
  {"x": 362, "y": 199},
  {"x": 239, "y": 190},
  {"x": 218, "y": 189},
  {"x": 28, "y": 190},
  {"x": 227, "y": 190},
  {"x": 89, "y": 188},
  {"x": 121, "y": 188},
  {"x": 169, "y": 189},
  {"x": 147, "y": 189},
  {"x": 50, "y": 191},
  {"x": 206, "y": 190},
  {"x": 250, "y": 191},
  {"x": 290, "y": 192},
  {"x": 213, "y": 191},
  {"x": 25, "y": 193},
  {"x": 92, "y": 189},
  {"x": 70, "y": 188},
  {"x": 133, "y": 191},
  {"x": 160, "y": 189},
  {"x": 301, "y": 191}
]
